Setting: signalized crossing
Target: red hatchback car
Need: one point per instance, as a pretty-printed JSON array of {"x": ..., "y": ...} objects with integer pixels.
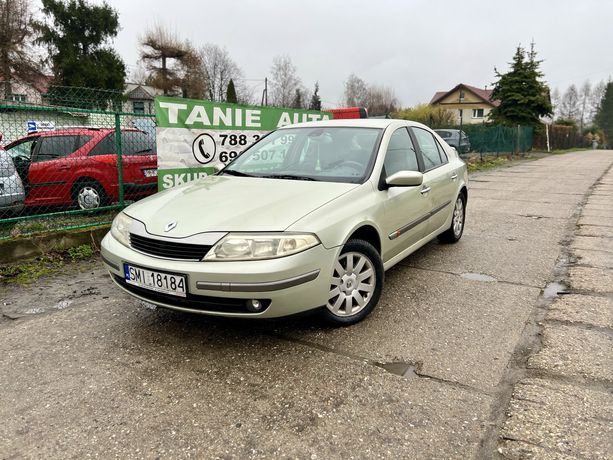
[{"x": 78, "y": 166}]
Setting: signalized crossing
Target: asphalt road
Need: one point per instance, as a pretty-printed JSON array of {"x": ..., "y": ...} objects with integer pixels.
[{"x": 437, "y": 371}]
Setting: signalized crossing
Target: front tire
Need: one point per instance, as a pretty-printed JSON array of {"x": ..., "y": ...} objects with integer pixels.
[
  {"x": 456, "y": 229},
  {"x": 355, "y": 284}
]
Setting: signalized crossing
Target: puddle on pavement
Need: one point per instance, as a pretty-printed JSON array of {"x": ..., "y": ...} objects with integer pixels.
[
  {"x": 554, "y": 289},
  {"x": 479, "y": 277},
  {"x": 405, "y": 370}
]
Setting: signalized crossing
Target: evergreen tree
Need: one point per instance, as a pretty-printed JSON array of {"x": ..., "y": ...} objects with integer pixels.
[
  {"x": 523, "y": 97},
  {"x": 315, "y": 99},
  {"x": 77, "y": 35},
  {"x": 297, "y": 102},
  {"x": 231, "y": 93},
  {"x": 604, "y": 116}
]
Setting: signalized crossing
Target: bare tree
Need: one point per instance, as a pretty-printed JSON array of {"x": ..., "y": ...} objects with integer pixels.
[
  {"x": 17, "y": 59},
  {"x": 284, "y": 82},
  {"x": 356, "y": 92},
  {"x": 193, "y": 79},
  {"x": 162, "y": 52},
  {"x": 139, "y": 75},
  {"x": 596, "y": 98},
  {"x": 584, "y": 101},
  {"x": 555, "y": 103},
  {"x": 218, "y": 69},
  {"x": 381, "y": 100},
  {"x": 569, "y": 106}
]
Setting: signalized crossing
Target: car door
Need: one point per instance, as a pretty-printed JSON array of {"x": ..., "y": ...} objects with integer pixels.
[
  {"x": 21, "y": 152},
  {"x": 406, "y": 208},
  {"x": 52, "y": 169},
  {"x": 440, "y": 178}
]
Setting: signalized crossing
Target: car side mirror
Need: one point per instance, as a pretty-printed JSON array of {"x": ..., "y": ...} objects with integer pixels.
[{"x": 405, "y": 179}]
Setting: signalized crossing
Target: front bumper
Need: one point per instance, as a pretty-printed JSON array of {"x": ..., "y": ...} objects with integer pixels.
[{"x": 287, "y": 285}]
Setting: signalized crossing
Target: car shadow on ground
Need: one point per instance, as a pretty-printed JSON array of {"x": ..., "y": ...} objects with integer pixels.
[{"x": 156, "y": 322}]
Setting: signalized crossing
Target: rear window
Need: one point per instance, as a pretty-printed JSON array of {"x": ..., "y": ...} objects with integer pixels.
[
  {"x": 132, "y": 143},
  {"x": 136, "y": 143},
  {"x": 443, "y": 134}
]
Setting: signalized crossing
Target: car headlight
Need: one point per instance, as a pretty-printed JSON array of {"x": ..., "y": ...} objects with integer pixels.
[
  {"x": 258, "y": 246},
  {"x": 120, "y": 229}
]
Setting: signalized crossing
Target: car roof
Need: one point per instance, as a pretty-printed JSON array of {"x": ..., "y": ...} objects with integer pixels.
[
  {"x": 357, "y": 123},
  {"x": 77, "y": 130},
  {"x": 68, "y": 130}
]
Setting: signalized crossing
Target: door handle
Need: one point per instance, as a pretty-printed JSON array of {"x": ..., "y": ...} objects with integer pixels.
[
  {"x": 63, "y": 167},
  {"x": 425, "y": 189},
  {"x": 454, "y": 176}
]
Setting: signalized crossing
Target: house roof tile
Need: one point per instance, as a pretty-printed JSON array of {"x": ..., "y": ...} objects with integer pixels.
[{"x": 485, "y": 94}]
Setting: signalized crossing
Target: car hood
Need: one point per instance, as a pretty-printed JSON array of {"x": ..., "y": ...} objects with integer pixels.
[{"x": 239, "y": 204}]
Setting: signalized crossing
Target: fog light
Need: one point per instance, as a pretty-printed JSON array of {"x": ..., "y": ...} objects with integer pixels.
[{"x": 254, "y": 305}]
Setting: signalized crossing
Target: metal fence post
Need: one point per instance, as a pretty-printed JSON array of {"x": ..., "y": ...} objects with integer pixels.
[{"x": 119, "y": 160}]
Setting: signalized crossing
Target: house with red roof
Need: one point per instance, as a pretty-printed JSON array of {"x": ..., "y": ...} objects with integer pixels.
[{"x": 469, "y": 103}]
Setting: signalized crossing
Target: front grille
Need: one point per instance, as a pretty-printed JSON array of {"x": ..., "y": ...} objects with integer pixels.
[
  {"x": 192, "y": 301},
  {"x": 170, "y": 250}
]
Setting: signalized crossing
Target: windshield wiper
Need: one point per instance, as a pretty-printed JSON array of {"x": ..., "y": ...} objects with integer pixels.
[
  {"x": 234, "y": 172},
  {"x": 289, "y": 176}
]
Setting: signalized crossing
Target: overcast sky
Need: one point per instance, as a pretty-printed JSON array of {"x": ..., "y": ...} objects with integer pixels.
[{"x": 417, "y": 47}]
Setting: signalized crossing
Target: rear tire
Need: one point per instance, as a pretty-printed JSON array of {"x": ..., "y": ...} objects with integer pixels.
[
  {"x": 88, "y": 195},
  {"x": 356, "y": 282},
  {"x": 456, "y": 229}
]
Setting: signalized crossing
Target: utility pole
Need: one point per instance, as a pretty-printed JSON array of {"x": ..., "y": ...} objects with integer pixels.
[{"x": 265, "y": 92}]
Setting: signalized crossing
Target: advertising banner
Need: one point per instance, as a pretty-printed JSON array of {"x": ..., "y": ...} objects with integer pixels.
[{"x": 195, "y": 137}]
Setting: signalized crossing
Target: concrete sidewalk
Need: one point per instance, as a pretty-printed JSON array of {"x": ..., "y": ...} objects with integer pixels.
[{"x": 563, "y": 407}]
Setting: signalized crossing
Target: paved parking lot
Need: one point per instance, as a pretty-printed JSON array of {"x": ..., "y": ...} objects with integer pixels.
[{"x": 463, "y": 337}]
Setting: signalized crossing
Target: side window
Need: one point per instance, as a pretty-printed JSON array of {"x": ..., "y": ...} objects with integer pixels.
[
  {"x": 136, "y": 143},
  {"x": 105, "y": 147},
  {"x": 82, "y": 141},
  {"x": 442, "y": 152},
  {"x": 53, "y": 147},
  {"x": 400, "y": 155},
  {"x": 23, "y": 150},
  {"x": 429, "y": 148}
]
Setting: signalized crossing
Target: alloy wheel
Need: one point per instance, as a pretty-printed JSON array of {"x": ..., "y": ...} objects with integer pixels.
[
  {"x": 352, "y": 285},
  {"x": 458, "y": 217}
]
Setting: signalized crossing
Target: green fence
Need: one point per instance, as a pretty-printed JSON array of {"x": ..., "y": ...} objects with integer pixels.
[
  {"x": 72, "y": 158},
  {"x": 485, "y": 139}
]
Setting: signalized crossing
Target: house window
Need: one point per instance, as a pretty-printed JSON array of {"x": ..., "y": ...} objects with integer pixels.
[
  {"x": 138, "y": 106},
  {"x": 17, "y": 98},
  {"x": 478, "y": 113}
]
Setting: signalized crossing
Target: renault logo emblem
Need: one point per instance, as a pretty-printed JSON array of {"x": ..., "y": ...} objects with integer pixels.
[{"x": 170, "y": 226}]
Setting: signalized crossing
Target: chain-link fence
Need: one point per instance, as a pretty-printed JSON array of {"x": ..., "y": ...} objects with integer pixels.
[
  {"x": 487, "y": 140},
  {"x": 72, "y": 158}
]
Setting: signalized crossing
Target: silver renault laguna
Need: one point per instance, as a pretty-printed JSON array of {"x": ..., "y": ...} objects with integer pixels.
[{"x": 307, "y": 218}]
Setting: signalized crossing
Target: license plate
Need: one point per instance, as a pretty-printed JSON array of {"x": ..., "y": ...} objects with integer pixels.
[
  {"x": 150, "y": 172},
  {"x": 155, "y": 281}
]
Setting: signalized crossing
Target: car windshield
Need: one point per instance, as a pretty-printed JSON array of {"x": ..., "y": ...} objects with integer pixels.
[{"x": 331, "y": 154}]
